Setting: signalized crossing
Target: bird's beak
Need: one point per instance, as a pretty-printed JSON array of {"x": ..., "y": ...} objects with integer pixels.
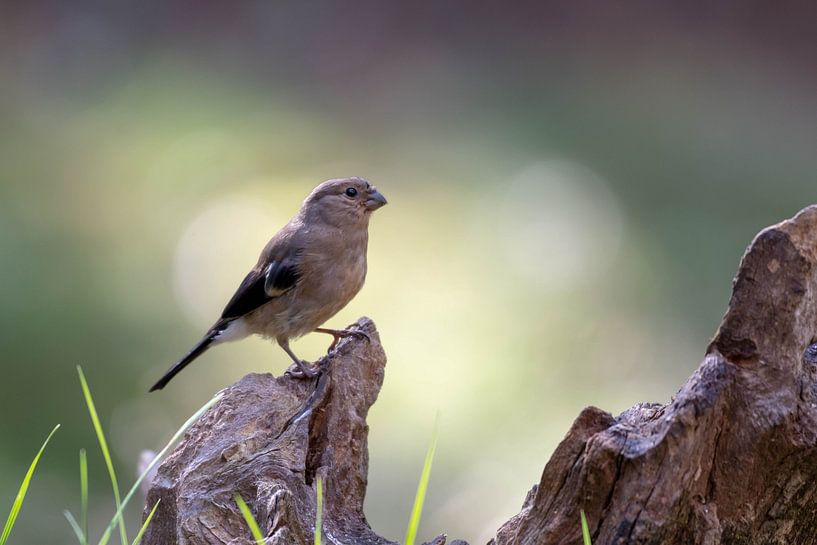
[{"x": 375, "y": 200}]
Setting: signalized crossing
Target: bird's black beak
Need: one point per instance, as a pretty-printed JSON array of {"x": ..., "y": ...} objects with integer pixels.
[{"x": 375, "y": 200}]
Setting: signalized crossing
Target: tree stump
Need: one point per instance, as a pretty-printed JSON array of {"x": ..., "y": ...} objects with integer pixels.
[
  {"x": 267, "y": 439},
  {"x": 731, "y": 459}
]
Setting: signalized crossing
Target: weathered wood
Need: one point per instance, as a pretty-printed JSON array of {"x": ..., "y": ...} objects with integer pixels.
[
  {"x": 731, "y": 459},
  {"x": 267, "y": 439}
]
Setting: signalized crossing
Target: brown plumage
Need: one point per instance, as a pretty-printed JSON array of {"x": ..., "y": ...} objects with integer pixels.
[{"x": 306, "y": 273}]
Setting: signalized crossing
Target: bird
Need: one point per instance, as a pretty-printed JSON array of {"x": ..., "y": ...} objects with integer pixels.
[{"x": 307, "y": 272}]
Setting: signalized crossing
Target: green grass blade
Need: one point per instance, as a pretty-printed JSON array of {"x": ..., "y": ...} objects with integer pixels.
[
  {"x": 144, "y": 527},
  {"x": 83, "y": 494},
  {"x": 103, "y": 445},
  {"x": 417, "y": 510},
  {"x": 21, "y": 493},
  {"x": 319, "y": 513},
  {"x": 585, "y": 530},
  {"x": 245, "y": 510},
  {"x": 158, "y": 458},
  {"x": 75, "y": 526}
]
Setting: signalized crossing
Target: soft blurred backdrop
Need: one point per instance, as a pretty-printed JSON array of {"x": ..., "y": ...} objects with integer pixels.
[{"x": 571, "y": 186}]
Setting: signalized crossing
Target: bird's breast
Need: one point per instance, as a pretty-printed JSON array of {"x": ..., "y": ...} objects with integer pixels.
[{"x": 337, "y": 279}]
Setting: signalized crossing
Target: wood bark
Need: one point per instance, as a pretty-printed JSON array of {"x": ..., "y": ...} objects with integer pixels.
[
  {"x": 730, "y": 459},
  {"x": 268, "y": 439}
]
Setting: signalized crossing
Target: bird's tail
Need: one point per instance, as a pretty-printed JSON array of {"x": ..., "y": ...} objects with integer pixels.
[{"x": 197, "y": 351}]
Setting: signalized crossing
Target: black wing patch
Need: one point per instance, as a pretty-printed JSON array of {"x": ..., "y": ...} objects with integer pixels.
[
  {"x": 280, "y": 277},
  {"x": 261, "y": 286}
]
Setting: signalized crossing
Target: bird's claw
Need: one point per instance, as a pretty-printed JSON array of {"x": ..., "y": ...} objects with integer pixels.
[
  {"x": 351, "y": 333},
  {"x": 303, "y": 370},
  {"x": 338, "y": 334}
]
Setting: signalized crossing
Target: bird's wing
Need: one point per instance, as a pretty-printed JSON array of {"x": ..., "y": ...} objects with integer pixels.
[{"x": 271, "y": 278}]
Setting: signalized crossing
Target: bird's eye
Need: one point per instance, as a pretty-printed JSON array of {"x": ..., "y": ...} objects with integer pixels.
[{"x": 351, "y": 192}]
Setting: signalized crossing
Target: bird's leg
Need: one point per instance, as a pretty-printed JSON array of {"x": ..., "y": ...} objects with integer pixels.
[
  {"x": 338, "y": 334},
  {"x": 300, "y": 369}
]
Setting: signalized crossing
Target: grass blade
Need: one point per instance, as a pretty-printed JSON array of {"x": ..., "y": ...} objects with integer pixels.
[
  {"x": 74, "y": 526},
  {"x": 83, "y": 493},
  {"x": 417, "y": 510},
  {"x": 319, "y": 512},
  {"x": 158, "y": 458},
  {"x": 585, "y": 529},
  {"x": 251, "y": 522},
  {"x": 103, "y": 445},
  {"x": 21, "y": 493},
  {"x": 144, "y": 527}
]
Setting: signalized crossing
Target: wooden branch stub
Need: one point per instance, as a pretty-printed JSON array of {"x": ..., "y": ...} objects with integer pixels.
[
  {"x": 249, "y": 443},
  {"x": 731, "y": 459}
]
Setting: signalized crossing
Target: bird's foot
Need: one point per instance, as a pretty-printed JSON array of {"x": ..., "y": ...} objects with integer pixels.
[
  {"x": 338, "y": 334},
  {"x": 303, "y": 369}
]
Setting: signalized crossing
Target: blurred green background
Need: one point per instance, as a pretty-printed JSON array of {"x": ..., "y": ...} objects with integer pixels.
[{"x": 571, "y": 186}]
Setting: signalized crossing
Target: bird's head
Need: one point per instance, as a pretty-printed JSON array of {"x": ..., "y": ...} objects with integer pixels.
[{"x": 343, "y": 202}]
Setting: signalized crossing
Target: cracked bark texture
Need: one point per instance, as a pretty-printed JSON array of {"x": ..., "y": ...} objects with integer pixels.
[
  {"x": 267, "y": 439},
  {"x": 731, "y": 459}
]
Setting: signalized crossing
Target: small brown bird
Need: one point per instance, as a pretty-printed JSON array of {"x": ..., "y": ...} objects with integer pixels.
[{"x": 306, "y": 273}]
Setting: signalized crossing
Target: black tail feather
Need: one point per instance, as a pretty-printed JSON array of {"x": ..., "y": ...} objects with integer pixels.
[{"x": 197, "y": 351}]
